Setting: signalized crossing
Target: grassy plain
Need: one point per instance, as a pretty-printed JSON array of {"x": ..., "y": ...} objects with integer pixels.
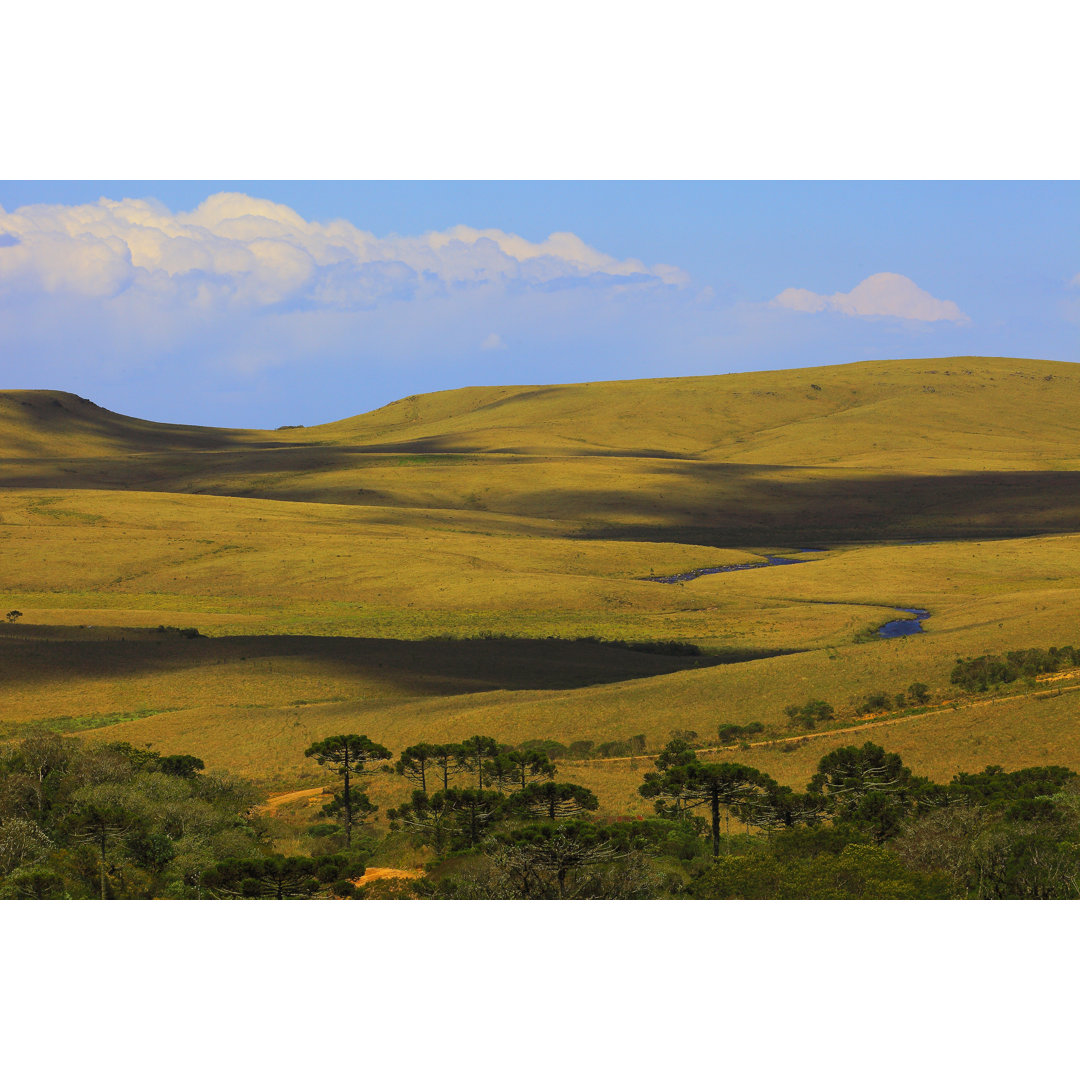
[{"x": 421, "y": 572}]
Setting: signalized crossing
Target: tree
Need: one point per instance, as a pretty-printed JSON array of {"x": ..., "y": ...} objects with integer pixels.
[
  {"x": 476, "y": 752},
  {"x": 358, "y": 809},
  {"x": 552, "y": 800},
  {"x": 97, "y": 822},
  {"x": 529, "y": 765},
  {"x": 919, "y": 693},
  {"x": 528, "y": 855},
  {"x": 415, "y": 761},
  {"x": 779, "y": 807},
  {"x": 425, "y": 815},
  {"x": 348, "y": 756},
  {"x": 677, "y": 752},
  {"x": 450, "y": 817},
  {"x": 275, "y": 877},
  {"x": 475, "y": 812},
  {"x": 13, "y": 616},
  {"x": 695, "y": 784},
  {"x": 183, "y": 765},
  {"x": 864, "y": 785},
  {"x": 446, "y": 761},
  {"x": 811, "y": 714}
]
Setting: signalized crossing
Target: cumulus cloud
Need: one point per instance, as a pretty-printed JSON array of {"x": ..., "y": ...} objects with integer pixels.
[
  {"x": 493, "y": 341},
  {"x": 889, "y": 295},
  {"x": 240, "y": 251}
]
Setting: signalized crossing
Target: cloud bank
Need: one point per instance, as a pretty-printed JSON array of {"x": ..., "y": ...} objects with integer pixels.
[
  {"x": 239, "y": 251},
  {"x": 880, "y": 295}
]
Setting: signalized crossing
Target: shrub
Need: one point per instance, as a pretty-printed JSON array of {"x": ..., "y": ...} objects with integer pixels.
[
  {"x": 811, "y": 714},
  {"x": 919, "y": 693}
]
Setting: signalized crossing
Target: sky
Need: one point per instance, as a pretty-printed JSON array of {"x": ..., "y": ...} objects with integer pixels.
[{"x": 256, "y": 304}]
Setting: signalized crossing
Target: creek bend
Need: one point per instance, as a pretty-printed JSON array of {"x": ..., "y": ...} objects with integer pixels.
[{"x": 894, "y": 628}]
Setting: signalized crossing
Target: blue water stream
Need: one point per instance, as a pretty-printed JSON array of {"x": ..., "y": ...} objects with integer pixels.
[{"x": 893, "y": 629}]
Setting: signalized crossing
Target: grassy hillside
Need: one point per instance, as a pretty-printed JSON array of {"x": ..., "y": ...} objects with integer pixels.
[
  {"x": 426, "y": 571},
  {"x": 903, "y": 449}
]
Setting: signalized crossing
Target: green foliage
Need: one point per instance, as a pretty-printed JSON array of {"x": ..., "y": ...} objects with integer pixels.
[
  {"x": 879, "y": 701},
  {"x": 450, "y": 819},
  {"x": 182, "y": 765},
  {"x": 733, "y": 733},
  {"x": 683, "y": 787},
  {"x": 13, "y": 616},
  {"x": 919, "y": 693},
  {"x": 982, "y": 673},
  {"x": 552, "y": 800},
  {"x": 811, "y": 714},
  {"x": 857, "y": 872},
  {"x": 348, "y": 754},
  {"x": 279, "y": 877},
  {"x": 865, "y": 786},
  {"x": 677, "y": 751},
  {"x": 475, "y": 754},
  {"x": 415, "y": 762},
  {"x": 108, "y": 821}
]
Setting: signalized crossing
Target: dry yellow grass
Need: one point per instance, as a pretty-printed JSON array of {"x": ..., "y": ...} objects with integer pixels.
[{"x": 318, "y": 560}]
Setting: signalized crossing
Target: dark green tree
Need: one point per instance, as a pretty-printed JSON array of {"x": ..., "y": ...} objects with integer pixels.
[
  {"x": 865, "y": 786},
  {"x": 529, "y": 766},
  {"x": 552, "y": 800},
  {"x": 538, "y": 858},
  {"x": 426, "y": 816},
  {"x": 724, "y": 784},
  {"x": 919, "y": 693},
  {"x": 677, "y": 752},
  {"x": 811, "y": 714},
  {"x": 359, "y": 808},
  {"x": 451, "y": 818},
  {"x": 475, "y": 754},
  {"x": 183, "y": 765},
  {"x": 416, "y": 761},
  {"x": 348, "y": 756},
  {"x": 475, "y": 812},
  {"x": 275, "y": 877},
  {"x": 446, "y": 761},
  {"x": 98, "y": 822}
]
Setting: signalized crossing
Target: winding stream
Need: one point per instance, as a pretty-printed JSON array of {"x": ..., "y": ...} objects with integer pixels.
[
  {"x": 903, "y": 627},
  {"x": 893, "y": 629},
  {"x": 689, "y": 575}
]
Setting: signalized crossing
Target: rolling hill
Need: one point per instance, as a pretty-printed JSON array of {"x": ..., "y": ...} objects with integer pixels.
[{"x": 455, "y": 562}]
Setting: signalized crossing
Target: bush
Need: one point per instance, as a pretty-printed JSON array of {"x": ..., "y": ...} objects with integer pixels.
[
  {"x": 811, "y": 714},
  {"x": 919, "y": 693},
  {"x": 874, "y": 703},
  {"x": 733, "y": 733}
]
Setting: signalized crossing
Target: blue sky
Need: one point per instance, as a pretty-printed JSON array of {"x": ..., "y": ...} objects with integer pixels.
[{"x": 253, "y": 303}]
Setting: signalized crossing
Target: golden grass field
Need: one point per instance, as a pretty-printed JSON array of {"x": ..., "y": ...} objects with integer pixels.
[{"x": 420, "y": 572}]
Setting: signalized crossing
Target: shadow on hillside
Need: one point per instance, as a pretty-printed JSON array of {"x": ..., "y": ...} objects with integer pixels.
[
  {"x": 433, "y": 667},
  {"x": 733, "y": 506}
]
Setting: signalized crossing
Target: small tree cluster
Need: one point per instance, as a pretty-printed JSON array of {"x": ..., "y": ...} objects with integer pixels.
[{"x": 811, "y": 714}]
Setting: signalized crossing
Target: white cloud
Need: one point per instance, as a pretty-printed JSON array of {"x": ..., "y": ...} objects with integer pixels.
[
  {"x": 891, "y": 295},
  {"x": 238, "y": 250},
  {"x": 493, "y": 341}
]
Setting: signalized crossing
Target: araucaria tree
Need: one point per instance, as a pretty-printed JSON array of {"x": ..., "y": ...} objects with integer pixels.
[
  {"x": 530, "y": 856},
  {"x": 725, "y": 784},
  {"x": 460, "y": 817},
  {"x": 475, "y": 754},
  {"x": 97, "y": 822},
  {"x": 865, "y": 786},
  {"x": 528, "y": 766},
  {"x": 552, "y": 800},
  {"x": 348, "y": 756},
  {"x": 416, "y": 762}
]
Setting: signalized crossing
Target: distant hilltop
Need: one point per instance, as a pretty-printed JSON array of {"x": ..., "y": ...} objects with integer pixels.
[{"x": 952, "y": 413}]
